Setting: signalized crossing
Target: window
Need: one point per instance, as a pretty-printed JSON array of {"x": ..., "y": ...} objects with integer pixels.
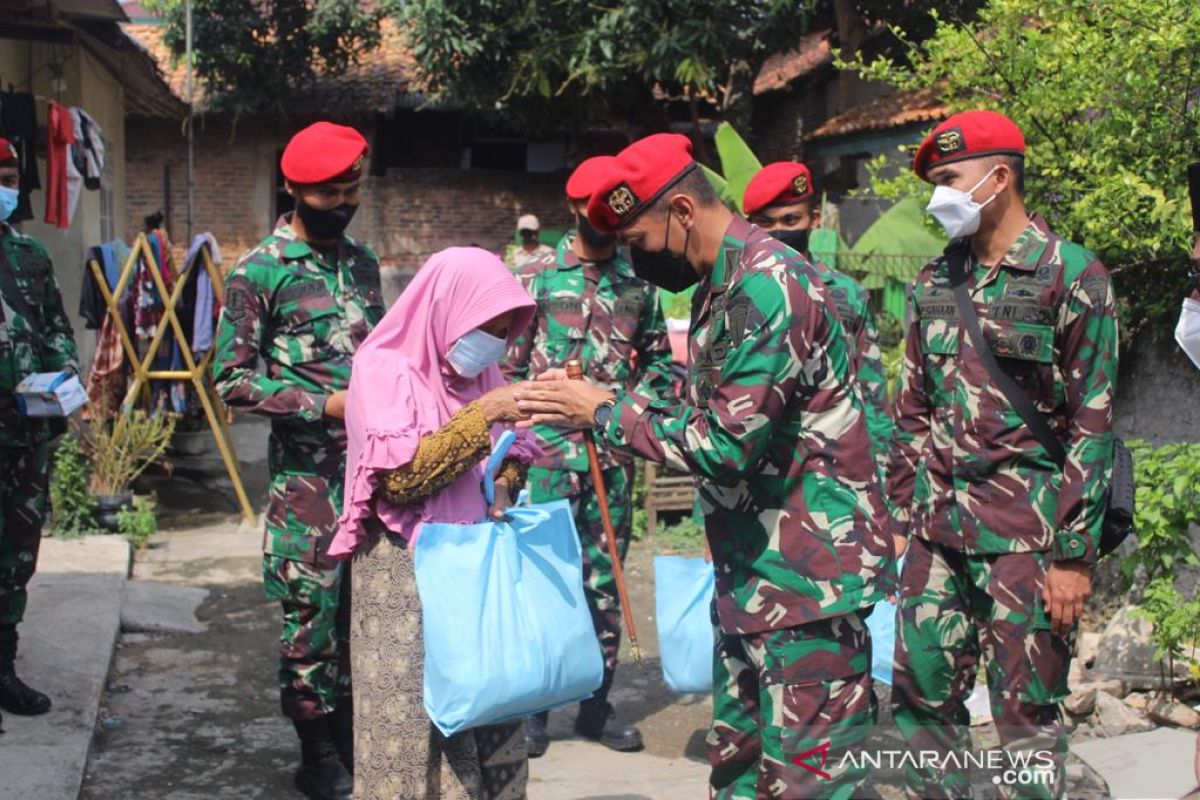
[{"x": 416, "y": 139}]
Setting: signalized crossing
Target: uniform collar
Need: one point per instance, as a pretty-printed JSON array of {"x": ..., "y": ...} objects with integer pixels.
[
  {"x": 732, "y": 245},
  {"x": 1026, "y": 252}
]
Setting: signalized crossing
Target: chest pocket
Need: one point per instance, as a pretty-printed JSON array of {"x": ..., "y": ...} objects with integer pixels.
[
  {"x": 34, "y": 274},
  {"x": 309, "y": 317},
  {"x": 939, "y": 337}
]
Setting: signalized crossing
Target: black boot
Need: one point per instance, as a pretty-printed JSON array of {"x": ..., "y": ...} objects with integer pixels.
[
  {"x": 598, "y": 721},
  {"x": 537, "y": 738},
  {"x": 341, "y": 725},
  {"x": 15, "y": 696},
  {"x": 321, "y": 775}
]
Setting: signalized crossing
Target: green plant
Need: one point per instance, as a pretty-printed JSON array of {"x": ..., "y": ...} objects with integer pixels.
[
  {"x": 139, "y": 523},
  {"x": 1104, "y": 91},
  {"x": 677, "y": 306},
  {"x": 684, "y": 536},
  {"x": 1167, "y": 481},
  {"x": 1176, "y": 622},
  {"x": 893, "y": 362},
  {"x": 121, "y": 450},
  {"x": 70, "y": 498},
  {"x": 891, "y": 330}
]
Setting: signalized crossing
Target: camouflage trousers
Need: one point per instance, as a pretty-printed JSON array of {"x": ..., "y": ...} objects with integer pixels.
[
  {"x": 955, "y": 609},
  {"x": 24, "y": 479},
  {"x": 314, "y": 648},
  {"x": 787, "y": 705},
  {"x": 599, "y": 584}
]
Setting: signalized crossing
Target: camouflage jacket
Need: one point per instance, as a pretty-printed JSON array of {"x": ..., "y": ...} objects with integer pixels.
[
  {"x": 775, "y": 431},
  {"x": 303, "y": 313},
  {"x": 30, "y": 346},
  {"x": 854, "y": 310},
  {"x": 966, "y": 472},
  {"x": 603, "y": 315},
  {"x": 518, "y": 256}
]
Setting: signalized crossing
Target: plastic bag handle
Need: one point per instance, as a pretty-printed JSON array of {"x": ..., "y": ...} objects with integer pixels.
[{"x": 499, "y": 451}]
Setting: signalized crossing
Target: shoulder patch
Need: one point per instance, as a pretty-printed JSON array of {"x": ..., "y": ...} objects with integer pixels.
[
  {"x": 1096, "y": 288},
  {"x": 237, "y": 302}
]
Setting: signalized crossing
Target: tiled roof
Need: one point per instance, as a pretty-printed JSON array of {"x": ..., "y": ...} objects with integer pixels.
[
  {"x": 781, "y": 69},
  {"x": 891, "y": 110},
  {"x": 373, "y": 84}
]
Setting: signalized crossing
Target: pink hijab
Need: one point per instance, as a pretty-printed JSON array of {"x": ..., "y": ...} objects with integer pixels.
[{"x": 401, "y": 388}]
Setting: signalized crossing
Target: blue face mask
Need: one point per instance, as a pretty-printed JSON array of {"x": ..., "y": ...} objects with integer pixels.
[
  {"x": 8, "y": 202},
  {"x": 475, "y": 352}
]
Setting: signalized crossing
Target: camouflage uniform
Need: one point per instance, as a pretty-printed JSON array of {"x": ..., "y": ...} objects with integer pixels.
[
  {"x": 303, "y": 311},
  {"x": 774, "y": 428},
  {"x": 986, "y": 508},
  {"x": 26, "y": 347},
  {"x": 854, "y": 310},
  {"x": 607, "y": 317}
]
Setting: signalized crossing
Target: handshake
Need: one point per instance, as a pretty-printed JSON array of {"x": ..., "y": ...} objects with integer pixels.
[{"x": 550, "y": 399}]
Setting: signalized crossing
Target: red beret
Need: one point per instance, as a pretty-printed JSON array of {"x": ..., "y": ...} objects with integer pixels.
[
  {"x": 8, "y": 153},
  {"x": 971, "y": 134},
  {"x": 639, "y": 175},
  {"x": 590, "y": 172},
  {"x": 324, "y": 153},
  {"x": 777, "y": 184}
]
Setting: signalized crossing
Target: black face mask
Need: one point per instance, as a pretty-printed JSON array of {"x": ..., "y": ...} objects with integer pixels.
[
  {"x": 592, "y": 237},
  {"x": 529, "y": 237},
  {"x": 664, "y": 269},
  {"x": 325, "y": 224},
  {"x": 797, "y": 240}
]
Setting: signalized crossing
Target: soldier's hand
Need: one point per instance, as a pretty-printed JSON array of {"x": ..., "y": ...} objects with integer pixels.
[
  {"x": 335, "y": 405},
  {"x": 1068, "y": 585},
  {"x": 499, "y": 509},
  {"x": 562, "y": 403},
  {"x": 500, "y": 404}
]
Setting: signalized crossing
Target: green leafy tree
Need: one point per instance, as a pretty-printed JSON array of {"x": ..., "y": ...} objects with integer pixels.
[
  {"x": 255, "y": 55},
  {"x": 1106, "y": 92},
  {"x": 543, "y": 66}
]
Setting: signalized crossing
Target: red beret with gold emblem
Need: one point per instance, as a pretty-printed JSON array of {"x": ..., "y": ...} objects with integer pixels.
[
  {"x": 777, "y": 184},
  {"x": 971, "y": 134},
  {"x": 8, "y": 153},
  {"x": 324, "y": 153},
  {"x": 639, "y": 175}
]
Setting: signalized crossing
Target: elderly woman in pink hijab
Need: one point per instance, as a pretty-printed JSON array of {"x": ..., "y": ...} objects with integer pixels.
[{"x": 425, "y": 403}]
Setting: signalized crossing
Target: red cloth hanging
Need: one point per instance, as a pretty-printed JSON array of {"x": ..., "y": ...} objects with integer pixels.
[{"x": 60, "y": 135}]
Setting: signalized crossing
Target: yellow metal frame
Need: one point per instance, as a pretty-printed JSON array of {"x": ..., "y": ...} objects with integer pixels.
[{"x": 195, "y": 372}]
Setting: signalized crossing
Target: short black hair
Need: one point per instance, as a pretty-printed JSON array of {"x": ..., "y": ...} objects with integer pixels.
[
  {"x": 695, "y": 184},
  {"x": 1016, "y": 164}
]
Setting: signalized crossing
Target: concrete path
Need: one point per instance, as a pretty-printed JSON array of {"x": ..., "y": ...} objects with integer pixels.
[
  {"x": 67, "y": 642},
  {"x": 578, "y": 770}
]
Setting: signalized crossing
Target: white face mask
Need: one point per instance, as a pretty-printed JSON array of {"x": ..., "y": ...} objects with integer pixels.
[
  {"x": 957, "y": 210},
  {"x": 1187, "y": 332},
  {"x": 475, "y": 352}
]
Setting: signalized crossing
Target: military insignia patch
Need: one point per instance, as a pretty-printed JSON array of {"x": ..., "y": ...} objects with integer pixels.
[
  {"x": 800, "y": 185},
  {"x": 1096, "y": 288},
  {"x": 738, "y": 319},
  {"x": 950, "y": 141},
  {"x": 622, "y": 200},
  {"x": 358, "y": 164},
  {"x": 236, "y": 303}
]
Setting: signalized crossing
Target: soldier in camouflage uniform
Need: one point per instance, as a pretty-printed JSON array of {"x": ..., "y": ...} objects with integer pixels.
[
  {"x": 302, "y": 302},
  {"x": 779, "y": 199},
  {"x": 35, "y": 336},
  {"x": 1001, "y": 541},
  {"x": 774, "y": 428},
  {"x": 593, "y": 308}
]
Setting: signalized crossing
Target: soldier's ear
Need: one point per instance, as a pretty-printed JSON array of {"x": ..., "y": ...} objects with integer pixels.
[
  {"x": 289, "y": 187},
  {"x": 684, "y": 209}
]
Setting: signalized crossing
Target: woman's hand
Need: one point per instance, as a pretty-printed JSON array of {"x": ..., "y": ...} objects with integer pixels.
[
  {"x": 335, "y": 405},
  {"x": 499, "y": 509},
  {"x": 500, "y": 404}
]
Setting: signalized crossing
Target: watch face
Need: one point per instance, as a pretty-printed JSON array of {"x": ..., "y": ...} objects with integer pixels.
[{"x": 603, "y": 414}]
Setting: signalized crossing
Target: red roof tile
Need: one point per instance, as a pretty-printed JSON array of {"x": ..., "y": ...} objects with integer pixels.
[
  {"x": 891, "y": 110},
  {"x": 781, "y": 69}
]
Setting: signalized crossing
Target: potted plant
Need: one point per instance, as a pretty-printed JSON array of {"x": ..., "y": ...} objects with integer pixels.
[{"x": 119, "y": 451}]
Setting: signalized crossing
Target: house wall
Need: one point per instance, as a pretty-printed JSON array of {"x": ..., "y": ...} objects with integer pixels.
[
  {"x": 89, "y": 85},
  {"x": 406, "y": 214}
]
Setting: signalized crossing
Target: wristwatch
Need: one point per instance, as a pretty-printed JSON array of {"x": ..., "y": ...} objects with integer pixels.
[{"x": 603, "y": 414}]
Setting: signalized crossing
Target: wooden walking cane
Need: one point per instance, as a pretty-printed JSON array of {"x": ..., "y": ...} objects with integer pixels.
[{"x": 575, "y": 373}]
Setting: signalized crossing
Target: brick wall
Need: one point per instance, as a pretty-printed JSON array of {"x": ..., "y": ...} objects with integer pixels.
[{"x": 405, "y": 216}]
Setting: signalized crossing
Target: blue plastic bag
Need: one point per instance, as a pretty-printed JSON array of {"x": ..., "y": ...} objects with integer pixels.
[
  {"x": 882, "y": 624},
  {"x": 507, "y": 628},
  {"x": 683, "y": 589}
]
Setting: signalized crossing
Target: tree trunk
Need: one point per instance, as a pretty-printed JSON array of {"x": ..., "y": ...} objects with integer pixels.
[{"x": 852, "y": 33}]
